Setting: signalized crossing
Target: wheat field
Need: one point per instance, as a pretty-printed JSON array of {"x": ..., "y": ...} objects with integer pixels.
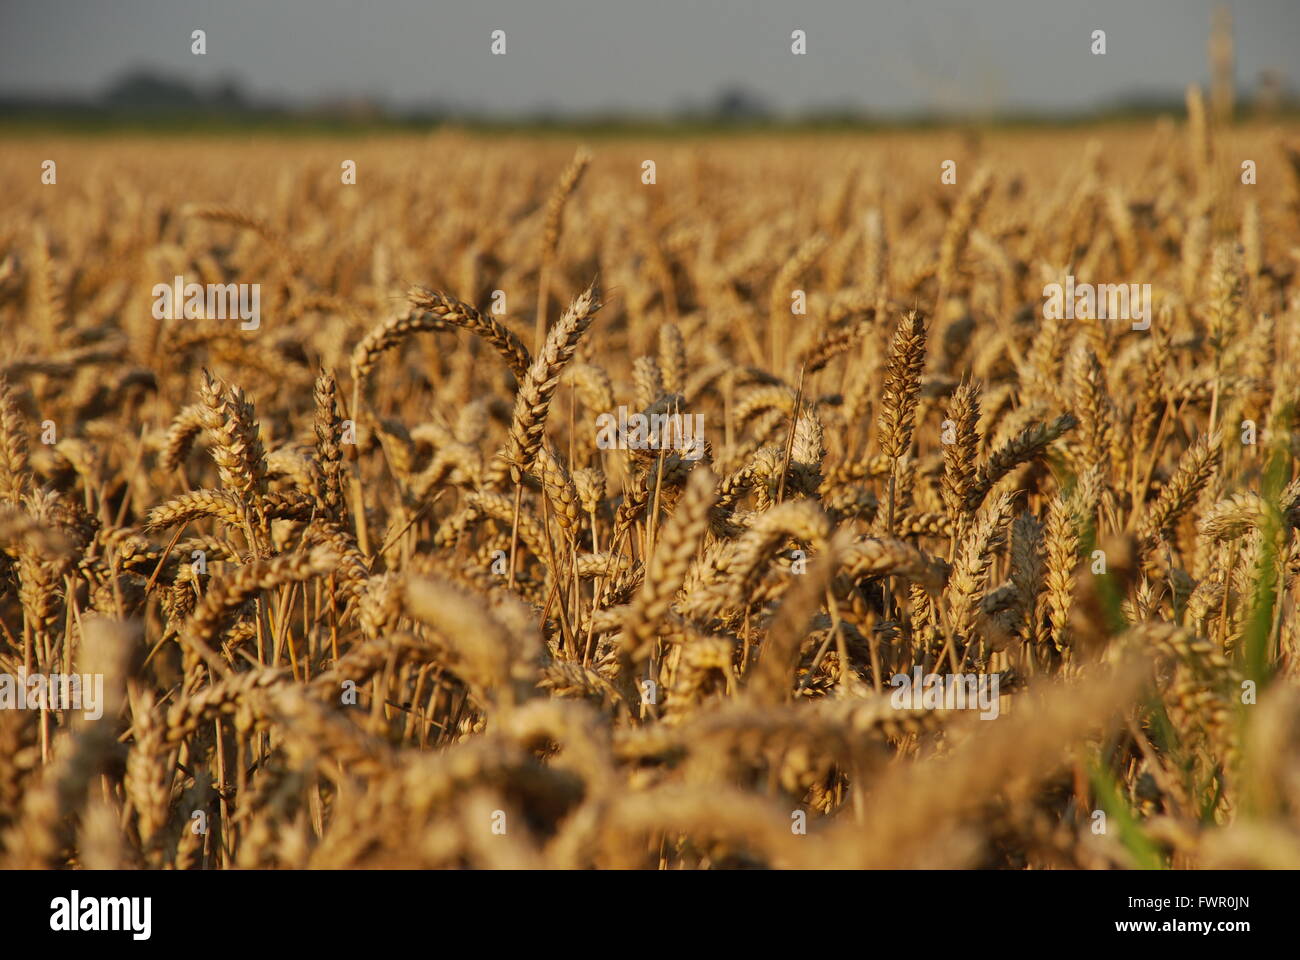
[{"x": 366, "y": 588}]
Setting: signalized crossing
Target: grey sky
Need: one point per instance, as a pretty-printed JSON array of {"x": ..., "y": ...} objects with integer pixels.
[{"x": 648, "y": 55}]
